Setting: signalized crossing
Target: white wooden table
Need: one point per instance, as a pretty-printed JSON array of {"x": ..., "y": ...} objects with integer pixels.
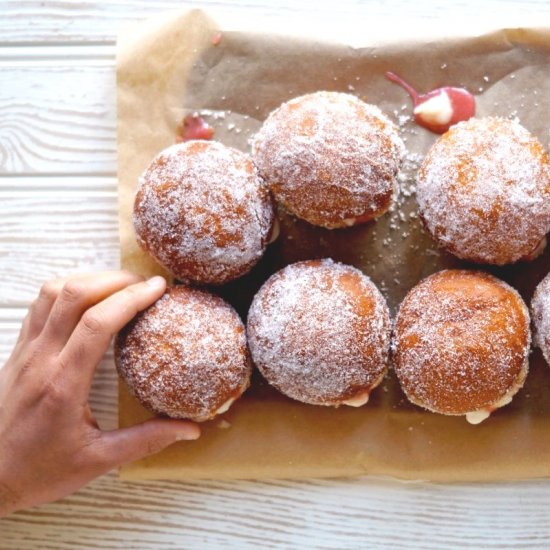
[{"x": 58, "y": 215}]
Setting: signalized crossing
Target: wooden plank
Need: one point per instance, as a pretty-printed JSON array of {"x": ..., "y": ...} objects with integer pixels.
[
  {"x": 49, "y": 234},
  {"x": 58, "y": 112},
  {"x": 272, "y": 514},
  {"x": 55, "y": 21},
  {"x": 344, "y": 513},
  {"x": 306, "y": 514},
  {"x": 61, "y": 182},
  {"x": 64, "y": 124}
]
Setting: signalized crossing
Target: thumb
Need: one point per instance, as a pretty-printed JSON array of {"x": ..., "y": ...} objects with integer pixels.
[{"x": 150, "y": 437}]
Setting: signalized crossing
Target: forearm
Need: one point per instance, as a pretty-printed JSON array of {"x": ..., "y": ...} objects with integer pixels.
[{"x": 50, "y": 443}]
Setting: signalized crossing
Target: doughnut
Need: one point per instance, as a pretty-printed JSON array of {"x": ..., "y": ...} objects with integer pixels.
[
  {"x": 185, "y": 356},
  {"x": 202, "y": 212},
  {"x": 461, "y": 344},
  {"x": 329, "y": 158},
  {"x": 540, "y": 310},
  {"x": 483, "y": 192},
  {"x": 319, "y": 332}
]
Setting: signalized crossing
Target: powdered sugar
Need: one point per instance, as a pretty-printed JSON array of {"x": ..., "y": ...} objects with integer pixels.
[
  {"x": 329, "y": 157},
  {"x": 540, "y": 308},
  {"x": 461, "y": 342},
  {"x": 319, "y": 332},
  {"x": 186, "y": 355},
  {"x": 484, "y": 191},
  {"x": 203, "y": 212}
]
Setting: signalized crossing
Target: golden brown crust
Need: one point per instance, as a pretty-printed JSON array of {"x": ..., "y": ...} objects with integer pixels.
[
  {"x": 540, "y": 311},
  {"x": 319, "y": 332},
  {"x": 461, "y": 341},
  {"x": 185, "y": 356},
  {"x": 329, "y": 158},
  {"x": 484, "y": 191},
  {"x": 202, "y": 212}
]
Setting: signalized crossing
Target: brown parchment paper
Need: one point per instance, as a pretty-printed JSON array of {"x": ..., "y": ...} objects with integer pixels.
[{"x": 168, "y": 66}]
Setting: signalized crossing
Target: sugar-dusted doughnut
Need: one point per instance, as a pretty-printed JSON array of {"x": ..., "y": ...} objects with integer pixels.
[
  {"x": 319, "y": 332},
  {"x": 540, "y": 310},
  {"x": 202, "y": 211},
  {"x": 483, "y": 191},
  {"x": 461, "y": 344},
  {"x": 185, "y": 356},
  {"x": 329, "y": 158}
]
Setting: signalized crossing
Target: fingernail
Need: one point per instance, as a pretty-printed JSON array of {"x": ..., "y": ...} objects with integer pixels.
[
  {"x": 156, "y": 282},
  {"x": 188, "y": 436}
]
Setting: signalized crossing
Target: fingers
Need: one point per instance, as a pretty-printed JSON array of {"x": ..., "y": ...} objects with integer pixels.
[
  {"x": 93, "y": 334},
  {"x": 126, "y": 445},
  {"x": 76, "y": 295},
  {"x": 40, "y": 309}
]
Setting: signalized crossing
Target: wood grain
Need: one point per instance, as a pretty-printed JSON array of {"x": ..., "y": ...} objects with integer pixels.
[
  {"x": 332, "y": 514},
  {"x": 50, "y": 234},
  {"x": 32, "y": 21},
  {"x": 58, "y": 212},
  {"x": 57, "y": 114},
  {"x": 324, "y": 514}
]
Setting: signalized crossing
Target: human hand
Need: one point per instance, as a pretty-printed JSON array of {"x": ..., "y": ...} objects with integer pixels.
[{"x": 50, "y": 443}]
